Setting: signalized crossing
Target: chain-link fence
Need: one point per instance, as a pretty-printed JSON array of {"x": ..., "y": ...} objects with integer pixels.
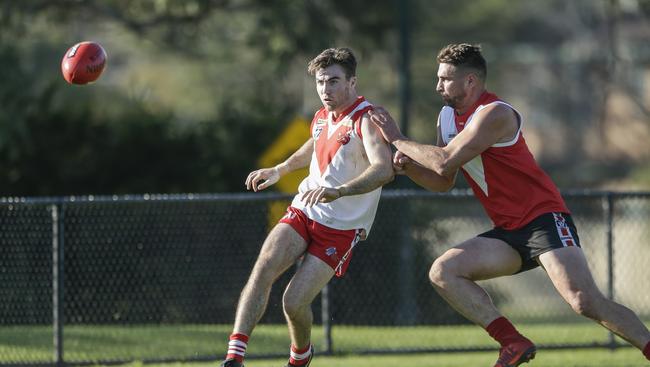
[{"x": 157, "y": 278}]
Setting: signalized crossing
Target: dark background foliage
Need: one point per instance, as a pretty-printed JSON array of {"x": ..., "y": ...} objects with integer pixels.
[{"x": 196, "y": 90}]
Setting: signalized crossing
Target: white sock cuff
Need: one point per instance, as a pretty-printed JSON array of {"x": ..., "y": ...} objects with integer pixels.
[
  {"x": 237, "y": 347},
  {"x": 237, "y": 343},
  {"x": 299, "y": 357}
]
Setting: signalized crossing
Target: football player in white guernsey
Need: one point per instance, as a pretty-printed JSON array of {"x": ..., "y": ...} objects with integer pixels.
[
  {"x": 349, "y": 162},
  {"x": 481, "y": 136}
]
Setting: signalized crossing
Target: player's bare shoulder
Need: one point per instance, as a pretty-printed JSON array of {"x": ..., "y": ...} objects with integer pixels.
[
  {"x": 369, "y": 129},
  {"x": 498, "y": 117},
  {"x": 376, "y": 147},
  {"x": 498, "y": 111}
]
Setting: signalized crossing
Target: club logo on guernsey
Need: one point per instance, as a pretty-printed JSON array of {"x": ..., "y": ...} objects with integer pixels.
[
  {"x": 318, "y": 128},
  {"x": 345, "y": 137},
  {"x": 317, "y": 131}
]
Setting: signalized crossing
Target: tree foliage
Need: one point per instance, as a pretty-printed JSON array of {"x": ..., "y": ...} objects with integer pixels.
[{"x": 195, "y": 90}]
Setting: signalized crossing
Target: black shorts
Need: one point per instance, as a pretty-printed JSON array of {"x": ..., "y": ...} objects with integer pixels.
[{"x": 544, "y": 233}]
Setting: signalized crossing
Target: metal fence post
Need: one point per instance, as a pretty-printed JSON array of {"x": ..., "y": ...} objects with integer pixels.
[
  {"x": 57, "y": 283},
  {"x": 407, "y": 306},
  {"x": 327, "y": 319},
  {"x": 608, "y": 211}
]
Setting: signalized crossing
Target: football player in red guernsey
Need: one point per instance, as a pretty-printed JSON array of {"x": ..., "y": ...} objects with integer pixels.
[{"x": 480, "y": 135}]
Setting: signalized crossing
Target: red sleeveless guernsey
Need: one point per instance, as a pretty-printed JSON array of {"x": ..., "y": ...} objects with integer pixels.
[{"x": 505, "y": 177}]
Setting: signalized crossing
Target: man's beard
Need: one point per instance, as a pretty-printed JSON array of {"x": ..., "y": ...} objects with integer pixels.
[{"x": 453, "y": 102}]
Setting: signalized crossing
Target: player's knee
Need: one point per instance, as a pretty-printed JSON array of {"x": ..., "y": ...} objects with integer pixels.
[
  {"x": 290, "y": 305},
  {"x": 584, "y": 304},
  {"x": 440, "y": 272}
]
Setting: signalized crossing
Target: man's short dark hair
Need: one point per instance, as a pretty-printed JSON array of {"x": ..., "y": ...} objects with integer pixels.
[
  {"x": 464, "y": 55},
  {"x": 342, "y": 56}
]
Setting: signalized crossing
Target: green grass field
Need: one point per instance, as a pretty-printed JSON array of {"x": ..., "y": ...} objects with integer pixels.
[
  {"x": 104, "y": 343},
  {"x": 582, "y": 358}
]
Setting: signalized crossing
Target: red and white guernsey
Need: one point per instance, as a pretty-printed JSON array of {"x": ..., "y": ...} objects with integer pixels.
[
  {"x": 339, "y": 156},
  {"x": 505, "y": 177}
]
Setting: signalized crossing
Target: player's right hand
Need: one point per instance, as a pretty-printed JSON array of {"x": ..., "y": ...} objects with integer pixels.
[
  {"x": 262, "y": 178},
  {"x": 384, "y": 121},
  {"x": 320, "y": 195},
  {"x": 400, "y": 160}
]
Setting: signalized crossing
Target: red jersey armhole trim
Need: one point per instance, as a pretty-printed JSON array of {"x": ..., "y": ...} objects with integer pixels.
[{"x": 358, "y": 119}]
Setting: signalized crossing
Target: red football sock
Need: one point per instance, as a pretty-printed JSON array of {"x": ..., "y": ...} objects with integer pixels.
[
  {"x": 646, "y": 351},
  {"x": 237, "y": 347},
  {"x": 503, "y": 331},
  {"x": 300, "y": 357}
]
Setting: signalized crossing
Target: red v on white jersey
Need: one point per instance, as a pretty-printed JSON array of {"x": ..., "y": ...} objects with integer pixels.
[
  {"x": 331, "y": 134},
  {"x": 339, "y": 156}
]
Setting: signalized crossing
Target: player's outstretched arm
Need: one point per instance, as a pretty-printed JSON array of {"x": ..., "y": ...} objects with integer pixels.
[
  {"x": 265, "y": 177},
  {"x": 494, "y": 124},
  {"x": 377, "y": 174},
  {"x": 422, "y": 176},
  {"x": 403, "y": 163},
  {"x": 491, "y": 125}
]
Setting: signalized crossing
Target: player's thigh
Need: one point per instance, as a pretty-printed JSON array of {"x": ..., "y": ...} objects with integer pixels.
[
  {"x": 479, "y": 258},
  {"x": 282, "y": 247},
  {"x": 568, "y": 270},
  {"x": 312, "y": 275}
]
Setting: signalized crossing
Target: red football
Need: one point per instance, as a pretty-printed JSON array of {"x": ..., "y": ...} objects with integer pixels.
[{"x": 83, "y": 63}]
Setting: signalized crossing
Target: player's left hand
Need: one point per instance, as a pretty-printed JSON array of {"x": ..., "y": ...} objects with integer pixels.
[
  {"x": 320, "y": 195},
  {"x": 384, "y": 121}
]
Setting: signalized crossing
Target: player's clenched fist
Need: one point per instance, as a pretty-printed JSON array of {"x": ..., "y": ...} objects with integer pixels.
[{"x": 399, "y": 161}]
